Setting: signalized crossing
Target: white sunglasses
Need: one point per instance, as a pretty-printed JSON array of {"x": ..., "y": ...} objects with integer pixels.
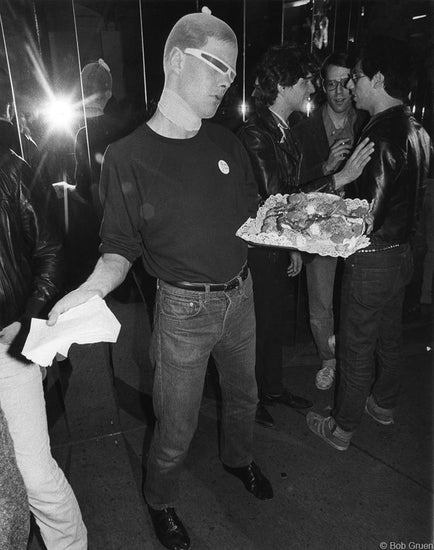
[{"x": 214, "y": 62}]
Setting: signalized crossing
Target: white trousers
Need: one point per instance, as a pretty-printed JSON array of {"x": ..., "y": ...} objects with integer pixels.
[{"x": 51, "y": 499}]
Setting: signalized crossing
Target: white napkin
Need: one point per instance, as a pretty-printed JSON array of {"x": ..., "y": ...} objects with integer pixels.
[{"x": 85, "y": 324}]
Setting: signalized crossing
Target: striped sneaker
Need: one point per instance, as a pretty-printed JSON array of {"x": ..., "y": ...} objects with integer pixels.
[
  {"x": 327, "y": 429},
  {"x": 380, "y": 415}
]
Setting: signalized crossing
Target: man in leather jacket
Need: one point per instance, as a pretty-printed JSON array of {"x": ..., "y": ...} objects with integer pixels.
[
  {"x": 375, "y": 277},
  {"x": 324, "y": 140},
  {"x": 283, "y": 85},
  {"x": 29, "y": 278}
]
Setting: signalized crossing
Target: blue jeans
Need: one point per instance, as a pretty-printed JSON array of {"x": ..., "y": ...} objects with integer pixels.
[
  {"x": 189, "y": 327},
  {"x": 320, "y": 276},
  {"x": 373, "y": 290}
]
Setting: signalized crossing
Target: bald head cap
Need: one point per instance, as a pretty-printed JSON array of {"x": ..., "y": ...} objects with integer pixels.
[
  {"x": 96, "y": 78},
  {"x": 194, "y": 30}
]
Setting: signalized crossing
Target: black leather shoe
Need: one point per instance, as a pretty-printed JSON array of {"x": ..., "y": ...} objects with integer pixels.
[
  {"x": 169, "y": 529},
  {"x": 286, "y": 398},
  {"x": 254, "y": 480},
  {"x": 263, "y": 417}
]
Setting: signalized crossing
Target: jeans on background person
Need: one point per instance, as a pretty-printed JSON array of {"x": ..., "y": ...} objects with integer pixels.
[
  {"x": 320, "y": 276},
  {"x": 270, "y": 285},
  {"x": 189, "y": 326},
  {"x": 51, "y": 498},
  {"x": 373, "y": 289}
]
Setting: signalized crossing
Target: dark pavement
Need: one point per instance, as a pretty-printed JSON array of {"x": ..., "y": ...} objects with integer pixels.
[{"x": 379, "y": 491}]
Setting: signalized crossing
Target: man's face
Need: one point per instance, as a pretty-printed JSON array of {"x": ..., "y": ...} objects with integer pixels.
[
  {"x": 202, "y": 86},
  {"x": 362, "y": 89},
  {"x": 298, "y": 94},
  {"x": 338, "y": 97}
]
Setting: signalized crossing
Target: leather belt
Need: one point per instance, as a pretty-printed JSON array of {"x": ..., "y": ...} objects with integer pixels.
[
  {"x": 380, "y": 249},
  {"x": 211, "y": 287}
]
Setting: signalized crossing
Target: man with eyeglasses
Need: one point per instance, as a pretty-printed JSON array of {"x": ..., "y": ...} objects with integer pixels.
[
  {"x": 174, "y": 192},
  {"x": 324, "y": 140},
  {"x": 375, "y": 277},
  {"x": 283, "y": 86}
]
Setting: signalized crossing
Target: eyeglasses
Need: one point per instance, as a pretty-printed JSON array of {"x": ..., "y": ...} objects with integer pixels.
[
  {"x": 214, "y": 62},
  {"x": 356, "y": 76},
  {"x": 333, "y": 84}
]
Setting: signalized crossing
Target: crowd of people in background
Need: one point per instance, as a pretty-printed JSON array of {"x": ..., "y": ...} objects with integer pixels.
[{"x": 172, "y": 193}]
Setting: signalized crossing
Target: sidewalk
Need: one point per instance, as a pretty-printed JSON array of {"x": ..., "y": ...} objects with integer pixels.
[{"x": 379, "y": 491}]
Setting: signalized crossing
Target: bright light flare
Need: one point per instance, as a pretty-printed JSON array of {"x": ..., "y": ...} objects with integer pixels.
[
  {"x": 243, "y": 109},
  {"x": 59, "y": 114},
  {"x": 309, "y": 107}
]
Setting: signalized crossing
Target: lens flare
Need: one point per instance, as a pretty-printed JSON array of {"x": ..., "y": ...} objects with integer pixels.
[{"x": 59, "y": 114}]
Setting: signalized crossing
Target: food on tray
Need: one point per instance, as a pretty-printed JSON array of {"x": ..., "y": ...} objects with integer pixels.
[
  {"x": 319, "y": 223},
  {"x": 317, "y": 215}
]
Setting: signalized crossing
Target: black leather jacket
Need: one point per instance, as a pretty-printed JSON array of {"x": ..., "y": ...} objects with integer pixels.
[
  {"x": 394, "y": 175},
  {"x": 274, "y": 158},
  {"x": 29, "y": 249}
]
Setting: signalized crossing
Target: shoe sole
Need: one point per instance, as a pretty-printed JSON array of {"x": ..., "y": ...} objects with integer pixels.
[
  {"x": 330, "y": 442},
  {"x": 382, "y": 422}
]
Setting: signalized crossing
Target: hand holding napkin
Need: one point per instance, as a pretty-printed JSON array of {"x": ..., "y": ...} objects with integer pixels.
[{"x": 85, "y": 324}]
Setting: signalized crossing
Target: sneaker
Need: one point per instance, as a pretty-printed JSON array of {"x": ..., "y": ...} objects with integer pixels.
[
  {"x": 327, "y": 429},
  {"x": 383, "y": 416},
  {"x": 324, "y": 378}
]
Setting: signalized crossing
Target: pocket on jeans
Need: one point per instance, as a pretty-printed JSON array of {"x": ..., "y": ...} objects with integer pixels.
[
  {"x": 177, "y": 307},
  {"x": 246, "y": 289},
  {"x": 376, "y": 286}
]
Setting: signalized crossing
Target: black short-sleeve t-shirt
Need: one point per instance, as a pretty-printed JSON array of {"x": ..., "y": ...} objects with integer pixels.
[{"x": 178, "y": 202}]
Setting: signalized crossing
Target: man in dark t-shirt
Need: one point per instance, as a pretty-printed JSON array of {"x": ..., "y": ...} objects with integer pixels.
[{"x": 174, "y": 192}]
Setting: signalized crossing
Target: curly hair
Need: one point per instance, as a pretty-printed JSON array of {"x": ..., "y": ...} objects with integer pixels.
[{"x": 284, "y": 64}]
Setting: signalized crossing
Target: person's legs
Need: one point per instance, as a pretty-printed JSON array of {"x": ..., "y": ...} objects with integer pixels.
[
  {"x": 268, "y": 269},
  {"x": 389, "y": 356},
  {"x": 369, "y": 284},
  {"x": 320, "y": 276},
  {"x": 50, "y": 496},
  {"x": 185, "y": 331},
  {"x": 234, "y": 355}
]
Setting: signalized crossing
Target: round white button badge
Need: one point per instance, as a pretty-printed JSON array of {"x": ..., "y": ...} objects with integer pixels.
[{"x": 223, "y": 166}]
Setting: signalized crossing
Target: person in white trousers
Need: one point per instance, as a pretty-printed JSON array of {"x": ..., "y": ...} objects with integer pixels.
[{"x": 29, "y": 276}]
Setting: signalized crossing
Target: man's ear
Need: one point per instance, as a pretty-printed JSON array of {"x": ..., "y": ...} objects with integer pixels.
[
  {"x": 280, "y": 88},
  {"x": 176, "y": 60},
  {"x": 378, "y": 80}
]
